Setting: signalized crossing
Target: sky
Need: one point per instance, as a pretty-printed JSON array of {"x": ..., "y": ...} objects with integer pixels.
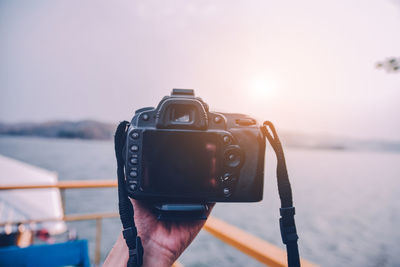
[{"x": 308, "y": 66}]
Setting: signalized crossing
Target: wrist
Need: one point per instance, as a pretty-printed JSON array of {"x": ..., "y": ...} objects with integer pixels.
[
  {"x": 157, "y": 255},
  {"x": 154, "y": 254}
]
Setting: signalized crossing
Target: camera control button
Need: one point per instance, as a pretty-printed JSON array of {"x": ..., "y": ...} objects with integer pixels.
[
  {"x": 135, "y": 135},
  {"x": 217, "y": 119},
  {"x": 133, "y": 186},
  {"x": 145, "y": 117},
  {"x": 226, "y": 177},
  {"x": 227, "y": 192},
  {"x": 246, "y": 122},
  {"x": 233, "y": 157},
  {"x": 227, "y": 139},
  {"x": 133, "y": 160},
  {"x": 134, "y": 148}
]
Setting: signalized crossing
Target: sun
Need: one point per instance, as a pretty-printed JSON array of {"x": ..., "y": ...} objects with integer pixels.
[{"x": 262, "y": 87}]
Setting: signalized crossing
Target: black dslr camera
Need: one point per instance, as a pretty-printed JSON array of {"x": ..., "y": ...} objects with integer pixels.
[
  {"x": 180, "y": 156},
  {"x": 180, "y": 152}
]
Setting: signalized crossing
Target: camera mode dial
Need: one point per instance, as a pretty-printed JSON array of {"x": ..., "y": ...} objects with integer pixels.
[{"x": 233, "y": 156}]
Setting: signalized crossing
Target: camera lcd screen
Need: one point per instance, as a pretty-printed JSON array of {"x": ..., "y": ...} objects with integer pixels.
[{"x": 181, "y": 162}]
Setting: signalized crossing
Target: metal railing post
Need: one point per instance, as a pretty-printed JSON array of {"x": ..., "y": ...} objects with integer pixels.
[
  {"x": 97, "y": 252},
  {"x": 62, "y": 193}
]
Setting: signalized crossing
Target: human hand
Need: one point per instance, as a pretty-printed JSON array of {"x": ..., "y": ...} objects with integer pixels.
[{"x": 163, "y": 241}]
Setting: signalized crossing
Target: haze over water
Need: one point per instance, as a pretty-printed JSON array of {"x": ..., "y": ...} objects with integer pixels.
[{"x": 346, "y": 202}]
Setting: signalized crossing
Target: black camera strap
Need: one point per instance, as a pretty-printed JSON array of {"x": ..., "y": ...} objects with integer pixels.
[
  {"x": 287, "y": 211},
  {"x": 129, "y": 231}
]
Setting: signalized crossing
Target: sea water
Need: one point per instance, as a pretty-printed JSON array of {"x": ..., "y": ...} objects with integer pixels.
[{"x": 347, "y": 202}]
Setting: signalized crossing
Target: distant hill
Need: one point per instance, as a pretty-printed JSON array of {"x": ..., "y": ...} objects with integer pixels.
[
  {"x": 86, "y": 129},
  {"x": 333, "y": 142},
  {"x": 90, "y": 129}
]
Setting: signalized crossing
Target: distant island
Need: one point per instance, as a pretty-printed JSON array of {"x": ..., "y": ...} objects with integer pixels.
[
  {"x": 86, "y": 129},
  {"x": 96, "y": 130}
]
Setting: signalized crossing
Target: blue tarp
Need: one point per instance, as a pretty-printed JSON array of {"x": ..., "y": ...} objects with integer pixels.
[{"x": 73, "y": 253}]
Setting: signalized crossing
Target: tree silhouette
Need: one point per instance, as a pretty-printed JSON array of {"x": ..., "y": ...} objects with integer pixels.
[{"x": 390, "y": 65}]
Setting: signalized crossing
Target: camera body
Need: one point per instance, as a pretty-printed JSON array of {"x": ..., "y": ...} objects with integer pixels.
[{"x": 180, "y": 152}]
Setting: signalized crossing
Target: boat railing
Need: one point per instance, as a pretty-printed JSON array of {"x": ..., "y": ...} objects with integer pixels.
[{"x": 249, "y": 244}]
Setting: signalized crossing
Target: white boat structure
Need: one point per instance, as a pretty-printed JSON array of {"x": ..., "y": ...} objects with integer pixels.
[{"x": 29, "y": 205}]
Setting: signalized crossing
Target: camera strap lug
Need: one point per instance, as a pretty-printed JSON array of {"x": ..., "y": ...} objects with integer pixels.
[{"x": 286, "y": 222}]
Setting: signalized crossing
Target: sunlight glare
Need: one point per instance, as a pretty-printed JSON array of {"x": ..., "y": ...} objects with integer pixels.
[{"x": 261, "y": 88}]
